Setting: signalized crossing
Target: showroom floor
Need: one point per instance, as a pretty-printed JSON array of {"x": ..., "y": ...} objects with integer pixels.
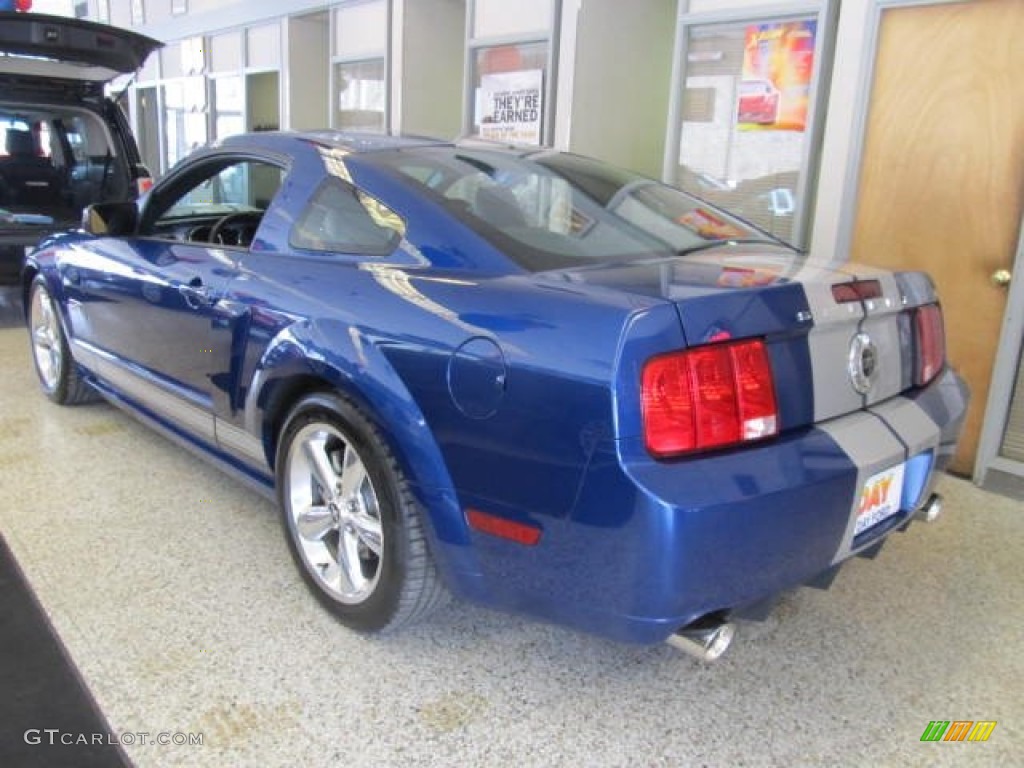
[{"x": 172, "y": 589}]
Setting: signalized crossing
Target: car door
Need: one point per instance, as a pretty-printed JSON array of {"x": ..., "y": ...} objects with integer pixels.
[
  {"x": 307, "y": 271},
  {"x": 150, "y": 307}
]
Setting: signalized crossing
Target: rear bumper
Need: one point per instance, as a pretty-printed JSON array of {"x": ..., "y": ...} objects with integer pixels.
[{"x": 651, "y": 546}]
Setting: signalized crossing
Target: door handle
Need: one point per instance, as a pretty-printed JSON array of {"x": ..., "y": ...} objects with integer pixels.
[
  {"x": 195, "y": 294},
  {"x": 1002, "y": 277}
]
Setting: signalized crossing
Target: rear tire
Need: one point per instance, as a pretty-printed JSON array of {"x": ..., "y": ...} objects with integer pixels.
[
  {"x": 55, "y": 368},
  {"x": 350, "y": 519}
]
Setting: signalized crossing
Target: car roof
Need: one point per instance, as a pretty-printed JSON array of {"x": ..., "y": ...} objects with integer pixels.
[{"x": 349, "y": 142}]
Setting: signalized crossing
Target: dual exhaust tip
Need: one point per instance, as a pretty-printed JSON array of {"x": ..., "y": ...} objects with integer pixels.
[
  {"x": 705, "y": 642},
  {"x": 708, "y": 640},
  {"x": 931, "y": 510}
]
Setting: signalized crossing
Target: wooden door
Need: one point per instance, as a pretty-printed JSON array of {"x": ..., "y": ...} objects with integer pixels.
[{"x": 942, "y": 182}]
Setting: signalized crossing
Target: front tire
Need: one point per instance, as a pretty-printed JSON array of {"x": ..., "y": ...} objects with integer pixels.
[
  {"x": 351, "y": 522},
  {"x": 55, "y": 368}
]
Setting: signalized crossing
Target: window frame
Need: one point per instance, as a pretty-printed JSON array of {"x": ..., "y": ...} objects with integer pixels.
[
  {"x": 188, "y": 176},
  {"x": 825, "y": 13},
  {"x": 341, "y": 57},
  {"x": 474, "y": 44},
  {"x": 337, "y": 61}
]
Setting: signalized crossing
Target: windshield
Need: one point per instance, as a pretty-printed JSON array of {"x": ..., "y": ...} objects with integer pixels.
[{"x": 551, "y": 210}]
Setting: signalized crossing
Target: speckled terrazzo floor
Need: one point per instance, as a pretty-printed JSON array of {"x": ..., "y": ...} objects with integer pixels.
[{"x": 173, "y": 591}]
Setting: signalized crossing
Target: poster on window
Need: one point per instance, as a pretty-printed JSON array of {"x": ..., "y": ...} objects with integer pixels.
[
  {"x": 775, "y": 89},
  {"x": 509, "y": 106}
]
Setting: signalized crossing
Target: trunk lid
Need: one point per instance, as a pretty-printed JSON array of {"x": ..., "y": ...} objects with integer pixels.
[{"x": 811, "y": 328}]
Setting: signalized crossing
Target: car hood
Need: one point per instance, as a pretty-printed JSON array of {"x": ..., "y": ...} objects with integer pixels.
[{"x": 69, "y": 49}]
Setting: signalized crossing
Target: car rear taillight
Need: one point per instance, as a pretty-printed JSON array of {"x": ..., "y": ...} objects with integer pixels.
[
  {"x": 929, "y": 343},
  {"x": 708, "y": 397}
]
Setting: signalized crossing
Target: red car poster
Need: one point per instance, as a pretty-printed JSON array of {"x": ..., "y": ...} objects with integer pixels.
[{"x": 778, "y": 60}]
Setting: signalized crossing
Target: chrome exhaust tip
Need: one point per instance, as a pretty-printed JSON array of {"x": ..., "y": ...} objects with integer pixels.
[
  {"x": 931, "y": 510},
  {"x": 705, "y": 643}
]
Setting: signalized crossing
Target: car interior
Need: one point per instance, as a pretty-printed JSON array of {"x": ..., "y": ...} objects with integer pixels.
[
  {"x": 55, "y": 161},
  {"x": 221, "y": 203}
]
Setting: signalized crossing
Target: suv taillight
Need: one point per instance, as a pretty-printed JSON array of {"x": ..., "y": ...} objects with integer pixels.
[
  {"x": 929, "y": 343},
  {"x": 708, "y": 397}
]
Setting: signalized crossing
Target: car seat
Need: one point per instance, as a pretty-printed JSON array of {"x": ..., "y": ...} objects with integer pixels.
[
  {"x": 498, "y": 207},
  {"x": 29, "y": 180}
]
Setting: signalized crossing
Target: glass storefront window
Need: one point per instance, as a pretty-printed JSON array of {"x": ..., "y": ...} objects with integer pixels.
[
  {"x": 361, "y": 92},
  {"x": 228, "y": 97},
  {"x": 508, "y": 92},
  {"x": 148, "y": 127},
  {"x": 184, "y": 117},
  {"x": 745, "y": 109}
]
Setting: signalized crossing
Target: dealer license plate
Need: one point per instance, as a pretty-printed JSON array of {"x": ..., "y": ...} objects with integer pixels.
[{"x": 879, "y": 498}]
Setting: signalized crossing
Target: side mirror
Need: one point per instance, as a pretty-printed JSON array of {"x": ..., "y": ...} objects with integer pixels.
[{"x": 110, "y": 219}]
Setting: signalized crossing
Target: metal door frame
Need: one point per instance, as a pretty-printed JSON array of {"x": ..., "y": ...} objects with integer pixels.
[{"x": 1004, "y": 375}]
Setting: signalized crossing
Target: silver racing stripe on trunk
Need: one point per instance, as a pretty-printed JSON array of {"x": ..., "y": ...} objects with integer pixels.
[
  {"x": 910, "y": 422},
  {"x": 828, "y": 343},
  {"x": 882, "y": 325}
]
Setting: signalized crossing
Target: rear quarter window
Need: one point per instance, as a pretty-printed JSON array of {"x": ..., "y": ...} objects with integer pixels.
[{"x": 339, "y": 218}]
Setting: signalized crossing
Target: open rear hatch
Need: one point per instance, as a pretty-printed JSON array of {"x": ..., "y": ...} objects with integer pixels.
[{"x": 69, "y": 49}]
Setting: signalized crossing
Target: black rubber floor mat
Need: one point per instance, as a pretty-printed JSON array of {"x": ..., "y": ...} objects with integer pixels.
[{"x": 47, "y": 716}]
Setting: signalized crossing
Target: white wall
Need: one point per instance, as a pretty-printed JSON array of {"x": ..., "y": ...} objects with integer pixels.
[
  {"x": 618, "y": 92},
  {"x": 54, "y": 7},
  {"x": 503, "y": 18},
  {"x": 431, "y": 66},
  {"x": 307, "y": 102},
  {"x": 361, "y": 30}
]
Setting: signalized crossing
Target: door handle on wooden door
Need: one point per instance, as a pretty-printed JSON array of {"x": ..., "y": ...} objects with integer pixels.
[{"x": 1002, "y": 277}]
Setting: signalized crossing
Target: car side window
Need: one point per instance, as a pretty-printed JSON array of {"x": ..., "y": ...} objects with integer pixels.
[
  {"x": 339, "y": 218},
  {"x": 221, "y": 202}
]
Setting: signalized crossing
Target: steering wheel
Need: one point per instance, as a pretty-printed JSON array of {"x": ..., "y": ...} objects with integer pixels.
[{"x": 232, "y": 218}]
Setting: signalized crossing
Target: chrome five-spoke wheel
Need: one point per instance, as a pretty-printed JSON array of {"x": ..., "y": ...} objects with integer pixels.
[
  {"x": 46, "y": 338},
  {"x": 351, "y": 521},
  {"x": 58, "y": 375},
  {"x": 334, "y": 509}
]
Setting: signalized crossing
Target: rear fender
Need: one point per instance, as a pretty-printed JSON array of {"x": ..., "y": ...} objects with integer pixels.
[{"x": 350, "y": 362}]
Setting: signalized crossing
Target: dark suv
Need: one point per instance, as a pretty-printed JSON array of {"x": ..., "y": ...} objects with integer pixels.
[{"x": 63, "y": 143}]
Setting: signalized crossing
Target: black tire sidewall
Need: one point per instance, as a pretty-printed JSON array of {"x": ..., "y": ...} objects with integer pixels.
[{"x": 376, "y": 611}]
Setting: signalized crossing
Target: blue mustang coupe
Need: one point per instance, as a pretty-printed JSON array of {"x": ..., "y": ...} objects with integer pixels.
[{"x": 519, "y": 376}]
